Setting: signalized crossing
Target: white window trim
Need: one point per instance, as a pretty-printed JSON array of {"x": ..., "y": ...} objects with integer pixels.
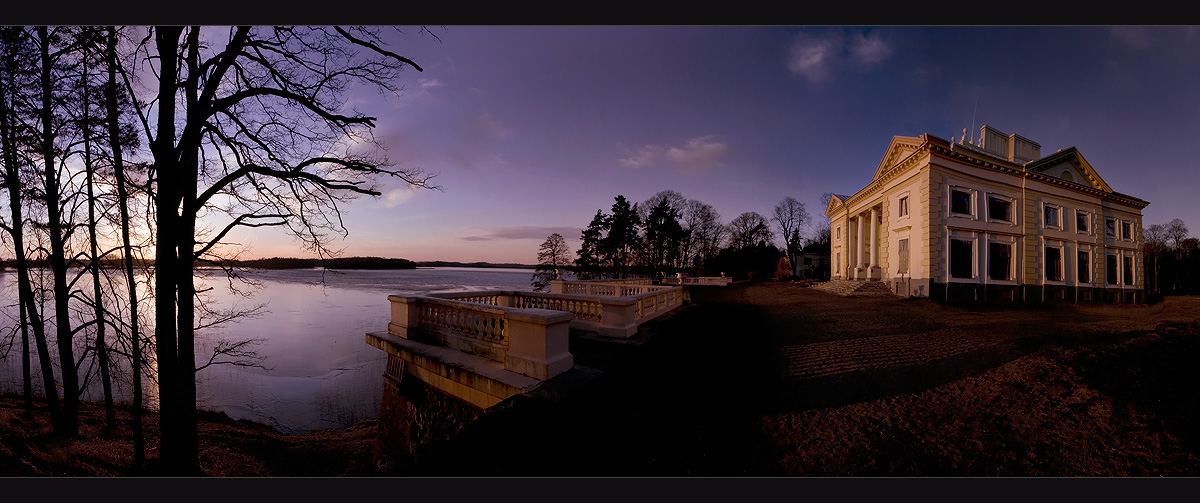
[
  {"x": 1062, "y": 257},
  {"x": 1090, "y": 222},
  {"x": 1091, "y": 265},
  {"x": 903, "y": 196},
  {"x": 1057, "y": 225},
  {"x": 973, "y": 205},
  {"x": 1012, "y": 260},
  {"x": 973, "y": 238},
  {"x": 1012, "y": 209},
  {"x": 1121, "y": 228}
]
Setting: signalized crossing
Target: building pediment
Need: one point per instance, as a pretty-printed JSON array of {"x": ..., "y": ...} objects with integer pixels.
[
  {"x": 1070, "y": 165},
  {"x": 836, "y": 201},
  {"x": 900, "y": 148}
]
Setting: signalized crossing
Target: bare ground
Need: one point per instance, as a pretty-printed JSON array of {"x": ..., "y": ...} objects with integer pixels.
[{"x": 776, "y": 380}]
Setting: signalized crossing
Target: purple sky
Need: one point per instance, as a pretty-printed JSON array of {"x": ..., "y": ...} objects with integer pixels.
[{"x": 532, "y": 129}]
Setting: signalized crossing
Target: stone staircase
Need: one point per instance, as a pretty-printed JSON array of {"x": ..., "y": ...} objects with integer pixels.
[{"x": 854, "y": 288}]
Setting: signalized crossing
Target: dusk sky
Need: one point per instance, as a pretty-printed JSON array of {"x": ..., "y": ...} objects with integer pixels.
[{"x": 530, "y": 130}]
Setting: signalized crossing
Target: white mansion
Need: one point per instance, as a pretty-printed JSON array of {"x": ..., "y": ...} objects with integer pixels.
[{"x": 989, "y": 221}]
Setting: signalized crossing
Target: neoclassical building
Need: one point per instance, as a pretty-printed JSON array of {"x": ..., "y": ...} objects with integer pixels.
[{"x": 989, "y": 221}]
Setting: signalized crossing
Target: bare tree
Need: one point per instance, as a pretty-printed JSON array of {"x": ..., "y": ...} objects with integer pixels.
[
  {"x": 552, "y": 254},
  {"x": 790, "y": 215},
  {"x": 256, "y": 120},
  {"x": 749, "y": 229},
  {"x": 1176, "y": 233},
  {"x": 705, "y": 233},
  {"x": 1153, "y": 246},
  {"x": 17, "y": 81}
]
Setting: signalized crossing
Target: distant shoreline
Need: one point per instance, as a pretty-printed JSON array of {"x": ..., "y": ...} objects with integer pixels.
[{"x": 344, "y": 263}]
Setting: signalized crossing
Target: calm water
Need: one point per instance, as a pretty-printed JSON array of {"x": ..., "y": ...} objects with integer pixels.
[{"x": 319, "y": 371}]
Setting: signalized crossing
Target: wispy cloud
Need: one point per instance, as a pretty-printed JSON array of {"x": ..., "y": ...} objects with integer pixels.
[
  {"x": 696, "y": 154},
  {"x": 817, "y": 56},
  {"x": 509, "y": 233},
  {"x": 396, "y": 197},
  {"x": 869, "y": 48}
]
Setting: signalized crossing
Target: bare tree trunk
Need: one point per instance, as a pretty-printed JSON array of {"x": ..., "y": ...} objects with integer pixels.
[
  {"x": 174, "y": 444},
  {"x": 110, "y": 415},
  {"x": 30, "y": 317},
  {"x": 58, "y": 265},
  {"x": 114, "y": 135}
]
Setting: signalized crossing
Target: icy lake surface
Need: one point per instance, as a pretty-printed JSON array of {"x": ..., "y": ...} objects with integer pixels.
[{"x": 318, "y": 370}]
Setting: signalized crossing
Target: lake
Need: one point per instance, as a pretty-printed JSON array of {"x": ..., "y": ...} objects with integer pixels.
[{"x": 318, "y": 372}]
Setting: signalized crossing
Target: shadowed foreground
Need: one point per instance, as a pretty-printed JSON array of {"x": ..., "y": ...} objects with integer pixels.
[{"x": 777, "y": 380}]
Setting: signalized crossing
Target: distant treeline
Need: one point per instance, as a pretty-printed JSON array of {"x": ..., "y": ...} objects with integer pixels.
[
  {"x": 489, "y": 265},
  {"x": 329, "y": 263}
]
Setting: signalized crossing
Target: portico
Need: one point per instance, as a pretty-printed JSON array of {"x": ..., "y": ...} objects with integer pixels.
[{"x": 863, "y": 243}]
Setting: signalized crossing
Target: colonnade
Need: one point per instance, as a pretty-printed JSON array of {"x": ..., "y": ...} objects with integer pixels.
[{"x": 863, "y": 261}]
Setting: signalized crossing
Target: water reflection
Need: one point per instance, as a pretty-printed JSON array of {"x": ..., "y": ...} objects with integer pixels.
[{"x": 317, "y": 372}]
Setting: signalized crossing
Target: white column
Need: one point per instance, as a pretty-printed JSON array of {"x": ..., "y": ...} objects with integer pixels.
[
  {"x": 874, "y": 237},
  {"x": 862, "y": 231}
]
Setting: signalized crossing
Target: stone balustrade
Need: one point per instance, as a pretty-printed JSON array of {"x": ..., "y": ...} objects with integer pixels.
[
  {"x": 529, "y": 341},
  {"x": 699, "y": 280},
  {"x": 611, "y": 310}
]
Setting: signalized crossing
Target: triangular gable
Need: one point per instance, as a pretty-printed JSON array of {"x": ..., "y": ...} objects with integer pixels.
[
  {"x": 835, "y": 201},
  {"x": 1071, "y": 161},
  {"x": 900, "y": 148}
]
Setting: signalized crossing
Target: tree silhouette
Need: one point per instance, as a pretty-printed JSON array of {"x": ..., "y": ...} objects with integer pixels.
[{"x": 253, "y": 118}]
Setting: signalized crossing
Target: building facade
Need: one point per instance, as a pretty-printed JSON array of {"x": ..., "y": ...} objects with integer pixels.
[{"x": 989, "y": 221}]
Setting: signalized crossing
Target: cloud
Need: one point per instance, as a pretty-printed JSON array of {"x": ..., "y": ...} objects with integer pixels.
[
  {"x": 510, "y": 233},
  {"x": 869, "y": 49},
  {"x": 396, "y": 197},
  {"x": 696, "y": 154},
  {"x": 817, "y": 56},
  {"x": 644, "y": 156},
  {"x": 429, "y": 83},
  {"x": 811, "y": 56}
]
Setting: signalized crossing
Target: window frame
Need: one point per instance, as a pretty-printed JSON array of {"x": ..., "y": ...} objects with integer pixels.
[
  {"x": 903, "y": 255},
  {"x": 1009, "y": 266},
  {"x": 1128, "y": 274},
  {"x": 971, "y": 203},
  {"x": 1114, "y": 278},
  {"x": 1058, "y": 213},
  {"x": 1087, "y": 217},
  {"x": 1061, "y": 265},
  {"x": 1113, "y": 234},
  {"x": 1126, "y": 230},
  {"x": 951, "y": 261},
  {"x": 1010, "y": 218},
  {"x": 903, "y": 208},
  {"x": 1083, "y": 266}
]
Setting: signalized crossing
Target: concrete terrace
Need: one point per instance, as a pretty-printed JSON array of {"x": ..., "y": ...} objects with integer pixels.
[{"x": 709, "y": 389}]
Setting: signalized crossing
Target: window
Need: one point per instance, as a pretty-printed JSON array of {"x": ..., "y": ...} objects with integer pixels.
[
  {"x": 837, "y": 264},
  {"x": 999, "y": 209},
  {"x": 807, "y": 260},
  {"x": 903, "y": 210},
  {"x": 999, "y": 261},
  {"x": 1110, "y": 227},
  {"x": 1128, "y": 262},
  {"x": 1083, "y": 221},
  {"x": 962, "y": 258},
  {"x": 1066, "y": 175},
  {"x": 839, "y": 232},
  {"x": 1050, "y": 216},
  {"x": 1110, "y": 269},
  {"x": 960, "y": 202},
  {"x": 902, "y": 256},
  {"x": 1054, "y": 270},
  {"x": 1126, "y": 230},
  {"x": 1085, "y": 267}
]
